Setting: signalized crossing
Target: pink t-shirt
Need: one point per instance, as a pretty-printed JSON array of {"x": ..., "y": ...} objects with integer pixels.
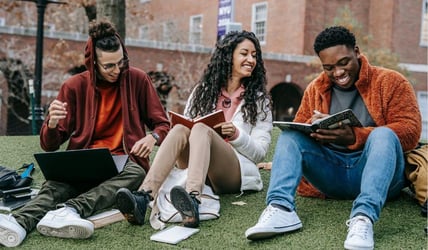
[{"x": 229, "y": 104}]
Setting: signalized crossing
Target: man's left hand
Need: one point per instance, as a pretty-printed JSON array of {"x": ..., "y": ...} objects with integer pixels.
[{"x": 144, "y": 147}]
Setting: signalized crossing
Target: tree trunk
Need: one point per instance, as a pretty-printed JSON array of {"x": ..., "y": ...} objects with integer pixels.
[{"x": 113, "y": 10}]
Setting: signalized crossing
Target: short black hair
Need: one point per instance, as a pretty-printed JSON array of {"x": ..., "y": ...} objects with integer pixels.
[{"x": 332, "y": 36}]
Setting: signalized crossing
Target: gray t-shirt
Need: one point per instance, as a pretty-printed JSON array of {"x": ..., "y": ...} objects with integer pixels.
[{"x": 342, "y": 99}]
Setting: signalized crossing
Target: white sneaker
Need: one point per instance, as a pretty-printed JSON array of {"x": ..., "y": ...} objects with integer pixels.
[
  {"x": 360, "y": 233},
  {"x": 11, "y": 233},
  {"x": 65, "y": 223},
  {"x": 273, "y": 221}
]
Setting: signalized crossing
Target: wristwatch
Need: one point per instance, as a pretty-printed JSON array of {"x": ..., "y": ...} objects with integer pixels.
[{"x": 156, "y": 136}]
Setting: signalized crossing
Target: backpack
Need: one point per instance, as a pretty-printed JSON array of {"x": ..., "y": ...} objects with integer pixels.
[
  {"x": 11, "y": 179},
  {"x": 164, "y": 212},
  {"x": 416, "y": 172}
]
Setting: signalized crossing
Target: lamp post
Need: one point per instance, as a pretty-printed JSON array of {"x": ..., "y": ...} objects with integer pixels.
[{"x": 36, "y": 115}]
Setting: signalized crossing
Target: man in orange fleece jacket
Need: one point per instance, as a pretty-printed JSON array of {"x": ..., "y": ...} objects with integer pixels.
[{"x": 366, "y": 163}]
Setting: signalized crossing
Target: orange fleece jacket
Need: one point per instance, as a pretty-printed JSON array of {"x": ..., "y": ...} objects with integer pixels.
[{"x": 389, "y": 98}]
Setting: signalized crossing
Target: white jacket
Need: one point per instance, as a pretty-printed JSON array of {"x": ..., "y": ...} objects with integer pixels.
[{"x": 251, "y": 146}]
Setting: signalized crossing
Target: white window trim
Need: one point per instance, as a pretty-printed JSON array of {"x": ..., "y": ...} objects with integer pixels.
[
  {"x": 192, "y": 30},
  {"x": 168, "y": 33},
  {"x": 422, "y": 97},
  {"x": 424, "y": 24},
  {"x": 253, "y": 21}
]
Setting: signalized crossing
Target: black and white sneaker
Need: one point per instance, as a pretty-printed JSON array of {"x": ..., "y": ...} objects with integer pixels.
[
  {"x": 133, "y": 205},
  {"x": 187, "y": 204}
]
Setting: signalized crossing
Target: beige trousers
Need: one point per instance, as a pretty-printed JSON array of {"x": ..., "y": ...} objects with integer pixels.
[{"x": 208, "y": 157}]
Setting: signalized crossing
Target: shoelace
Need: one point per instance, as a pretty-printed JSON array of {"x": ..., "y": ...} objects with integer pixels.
[
  {"x": 194, "y": 194},
  {"x": 267, "y": 214},
  {"x": 143, "y": 193},
  {"x": 358, "y": 226}
]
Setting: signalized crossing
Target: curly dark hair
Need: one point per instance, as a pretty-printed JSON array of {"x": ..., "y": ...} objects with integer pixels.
[
  {"x": 332, "y": 36},
  {"x": 219, "y": 71},
  {"x": 104, "y": 35}
]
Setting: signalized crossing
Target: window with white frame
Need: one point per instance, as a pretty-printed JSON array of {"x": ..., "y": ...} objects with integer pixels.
[
  {"x": 259, "y": 20},
  {"x": 143, "y": 32},
  {"x": 169, "y": 32},
  {"x": 195, "y": 36},
  {"x": 423, "y": 107},
  {"x": 424, "y": 26}
]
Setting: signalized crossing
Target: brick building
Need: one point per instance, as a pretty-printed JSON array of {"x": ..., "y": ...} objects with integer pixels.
[{"x": 177, "y": 37}]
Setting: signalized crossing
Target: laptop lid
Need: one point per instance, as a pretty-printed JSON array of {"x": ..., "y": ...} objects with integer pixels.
[{"x": 91, "y": 166}]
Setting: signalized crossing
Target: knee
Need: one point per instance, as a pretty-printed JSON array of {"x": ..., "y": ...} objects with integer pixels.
[
  {"x": 179, "y": 129},
  {"x": 383, "y": 133},
  {"x": 135, "y": 170},
  {"x": 179, "y": 132},
  {"x": 141, "y": 173},
  {"x": 199, "y": 129}
]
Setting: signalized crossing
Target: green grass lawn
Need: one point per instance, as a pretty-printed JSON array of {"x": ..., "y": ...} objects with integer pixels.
[{"x": 400, "y": 225}]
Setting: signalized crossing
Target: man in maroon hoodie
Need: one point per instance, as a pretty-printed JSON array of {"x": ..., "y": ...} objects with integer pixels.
[{"x": 108, "y": 105}]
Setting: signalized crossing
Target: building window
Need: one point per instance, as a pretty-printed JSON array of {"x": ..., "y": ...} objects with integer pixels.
[
  {"x": 143, "y": 32},
  {"x": 424, "y": 28},
  {"x": 195, "y": 29},
  {"x": 169, "y": 32},
  {"x": 423, "y": 107},
  {"x": 259, "y": 20}
]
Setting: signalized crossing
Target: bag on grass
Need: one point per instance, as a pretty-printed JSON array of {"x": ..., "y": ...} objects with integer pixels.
[
  {"x": 11, "y": 179},
  {"x": 416, "y": 172},
  {"x": 164, "y": 212},
  {"x": 8, "y": 177}
]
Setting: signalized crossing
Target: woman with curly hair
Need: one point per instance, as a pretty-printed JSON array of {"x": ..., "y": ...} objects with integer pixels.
[{"x": 235, "y": 82}]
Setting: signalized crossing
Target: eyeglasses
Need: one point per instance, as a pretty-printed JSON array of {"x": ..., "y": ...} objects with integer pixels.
[{"x": 108, "y": 67}]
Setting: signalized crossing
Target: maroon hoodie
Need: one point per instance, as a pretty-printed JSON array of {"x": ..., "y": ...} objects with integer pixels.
[{"x": 140, "y": 107}]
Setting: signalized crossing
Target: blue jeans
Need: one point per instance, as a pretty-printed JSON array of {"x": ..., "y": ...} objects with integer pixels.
[{"x": 369, "y": 176}]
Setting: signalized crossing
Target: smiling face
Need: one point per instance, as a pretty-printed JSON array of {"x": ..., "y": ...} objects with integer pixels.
[
  {"x": 244, "y": 59},
  {"x": 341, "y": 64},
  {"x": 109, "y": 64}
]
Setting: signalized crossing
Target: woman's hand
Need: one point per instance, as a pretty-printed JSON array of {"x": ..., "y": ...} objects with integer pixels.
[{"x": 227, "y": 128}]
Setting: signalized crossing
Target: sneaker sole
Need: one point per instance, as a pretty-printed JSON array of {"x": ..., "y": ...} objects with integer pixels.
[
  {"x": 182, "y": 201},
  {"x": 265, "y": 233},
  {"x": 9, "y": 238},
  {"x": 128, "y": 207},
  {"x": 351, "y": 247},
  {"x": 80, "y": 230}
]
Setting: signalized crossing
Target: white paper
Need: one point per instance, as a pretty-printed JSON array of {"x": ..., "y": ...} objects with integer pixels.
[{"x": 174, "y": 234}]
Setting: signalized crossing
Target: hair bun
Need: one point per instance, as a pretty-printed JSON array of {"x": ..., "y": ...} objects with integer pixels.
[{"x": 101, "y": 29}]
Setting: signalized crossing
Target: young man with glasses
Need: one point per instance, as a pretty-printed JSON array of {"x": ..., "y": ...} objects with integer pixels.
[
  {"x": 108, "y": 105},
  {"x": 366, "y": 163}
]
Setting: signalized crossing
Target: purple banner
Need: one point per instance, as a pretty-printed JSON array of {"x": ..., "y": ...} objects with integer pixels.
[{"x": 225, "y": 16}]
